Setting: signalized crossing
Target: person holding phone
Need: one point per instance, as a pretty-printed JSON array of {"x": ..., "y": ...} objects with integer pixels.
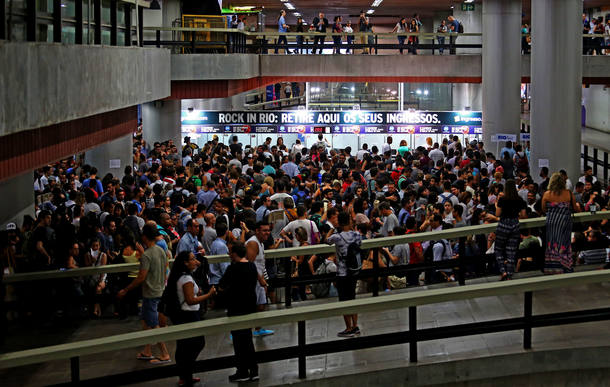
[{"x": 189, "y": 296}]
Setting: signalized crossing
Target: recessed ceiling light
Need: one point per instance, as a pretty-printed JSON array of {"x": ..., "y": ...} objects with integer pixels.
[
  {"x": 297, "y": 14},
  {"x": 376, "y": 3},
  {"x": 289, "y": 6},
  {"x": 370, "y": 12}
]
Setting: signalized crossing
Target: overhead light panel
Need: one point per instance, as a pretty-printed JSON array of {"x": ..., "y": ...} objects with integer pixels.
[
  {"x": 289, "y": 6},
  {"x": 370, "y": 12},
  {"x": 297, "y": 14},
  {"x": 376, "y": 3}
]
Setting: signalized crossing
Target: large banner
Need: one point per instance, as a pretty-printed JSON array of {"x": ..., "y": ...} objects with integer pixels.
[{"x": 344, "y": 122}]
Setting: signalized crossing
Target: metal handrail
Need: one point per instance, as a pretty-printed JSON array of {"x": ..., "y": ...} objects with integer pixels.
[
  {"x": 308, "y": 250},
  {"x": 300, "y": 314}
]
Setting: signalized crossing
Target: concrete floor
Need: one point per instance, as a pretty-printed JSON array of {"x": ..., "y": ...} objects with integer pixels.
[{"x": 346, "y": 363}]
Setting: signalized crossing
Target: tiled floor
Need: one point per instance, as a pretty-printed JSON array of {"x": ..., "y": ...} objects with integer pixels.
[{"x": 480, "y": 309}]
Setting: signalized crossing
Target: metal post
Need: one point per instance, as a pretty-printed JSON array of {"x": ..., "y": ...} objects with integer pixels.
[
  {"x": 307, "y": 96},
  {"x": 75, "y": 370},
  {"x": 301, "y": 344},
  {"x": 586, "y": 156},
  {"x": 57, "y": 21},
  {"x": 31, "y": 20},
  {"x": 461, "y": 261},
  {"x": 127, "y": 10},
  {"x": 193, "y": 35},
  {"x": 375, "y": 272},
  {"x": 158, "y": 38},
  {"x": 97, "y": 19},
  {"x": 413, "y": 331},
  {"x": 141, "y": 26},
  {"x": 114, "y": 27},
  {"x": 78, "y": 26},
  {"x": 594, "y": 161},
  {"x": 606, "y": 167},
  {"x": 3, "y": 19},
  {"x": 288, "y": 282},
  {"x": 527, "y": 314}
]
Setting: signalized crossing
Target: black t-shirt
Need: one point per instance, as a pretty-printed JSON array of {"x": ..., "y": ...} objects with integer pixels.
[
  {"x": 511, "y": 207},
  {"x": 239, "y": 286},
  {"x": 235, "y": 148}
]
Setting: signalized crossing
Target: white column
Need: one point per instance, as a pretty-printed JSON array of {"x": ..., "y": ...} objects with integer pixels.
[
  {"x": 467, "y": 96},
  {"x": 501, "y": 69},
  {"x": 556, "y": 72},
  {"x": 111, "y": 157},
  {"x": 161, "y": 122}
]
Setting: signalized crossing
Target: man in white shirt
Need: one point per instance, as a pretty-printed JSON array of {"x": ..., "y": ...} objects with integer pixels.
[
  {"x": 302, "y": 221},
  {"x": 360, "y": 154},
  {"x": 387, "y": 147},
  {"x": 588, "y": 172},
  {"x": 436, "y": 154}
]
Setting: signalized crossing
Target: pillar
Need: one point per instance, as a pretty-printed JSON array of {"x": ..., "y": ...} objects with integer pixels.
[
  {"x": 556, "y": 76},
  {"x": 466, "y": 96},
  {"x": 501, "y": 69},
  {"x": 111, "y": 157},
  {"x": 19, "y": 199},
  {"x": 161, "y": 122}
]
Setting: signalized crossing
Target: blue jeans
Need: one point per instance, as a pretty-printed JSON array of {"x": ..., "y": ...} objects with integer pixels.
[
  {"x": 401, "y": 42},
  {"x": 441, "y": 40},
  {"x": 350, "y": 40},
  {"x": 281, "y": 39}
]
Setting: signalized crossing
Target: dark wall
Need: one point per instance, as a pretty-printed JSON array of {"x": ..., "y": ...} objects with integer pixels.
[{"x": 200, "y": 7}]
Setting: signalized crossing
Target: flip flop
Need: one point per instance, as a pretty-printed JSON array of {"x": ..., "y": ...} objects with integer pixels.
[
  {"x": 157, "y": 361},
  {"x": 141, "y": 356}
]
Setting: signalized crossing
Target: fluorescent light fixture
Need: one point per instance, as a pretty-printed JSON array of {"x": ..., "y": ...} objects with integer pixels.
[
  {"x": 289, "y": 6},
  {"x": 425, "y": 92},
  {"x": 418, "y": 92},
  {"x": 376, "y": 3},
  {"x": 353, "y": 88},
  {"x": 468, "y": 1},
  {"x": 284, "y": 1},
  {"x": 244, "y": 8},
  {"x": 370, "y": 12},
  {"x": 297, "y": 14}
]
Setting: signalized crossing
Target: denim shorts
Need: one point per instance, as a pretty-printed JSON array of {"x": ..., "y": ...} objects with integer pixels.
[{"x": 149, "y": 314}]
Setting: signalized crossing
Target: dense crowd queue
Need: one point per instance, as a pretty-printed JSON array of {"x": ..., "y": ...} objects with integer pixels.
[{"x": 188, "y": 203}]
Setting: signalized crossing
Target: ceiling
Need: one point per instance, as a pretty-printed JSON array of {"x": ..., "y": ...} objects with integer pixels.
[{"x": 386, "y": 13}]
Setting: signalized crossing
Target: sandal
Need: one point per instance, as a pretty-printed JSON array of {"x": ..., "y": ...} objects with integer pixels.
[
  {"x": 142, "y": 356},
  {"x": 157, "y": 361}
]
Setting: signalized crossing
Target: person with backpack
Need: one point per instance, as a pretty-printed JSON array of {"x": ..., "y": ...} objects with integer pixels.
[
  {"x": 454, "y": 27},
  {"x": 447, "y": 195},
  {"x": 182, "y": 298},
  {"x": 349, "y": 262}
]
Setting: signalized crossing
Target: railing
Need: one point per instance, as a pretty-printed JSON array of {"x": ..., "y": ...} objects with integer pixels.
[
  {"x": 288, "y": 282},
  {"x": 301, "y": 315},
  {"x": 86, "y": 24},
  {"x": 237, "y": 41},
  {"x": 597, "y": 160}
]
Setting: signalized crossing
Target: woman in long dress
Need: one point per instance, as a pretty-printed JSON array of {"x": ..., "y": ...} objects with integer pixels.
[{"x": 558, "y": 203}]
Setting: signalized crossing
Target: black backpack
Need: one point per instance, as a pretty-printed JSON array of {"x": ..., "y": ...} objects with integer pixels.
[
  {"x": 353, "y": 258},
  {"x": 460, "y": 28},
  {"x": 429, "y": 253}
]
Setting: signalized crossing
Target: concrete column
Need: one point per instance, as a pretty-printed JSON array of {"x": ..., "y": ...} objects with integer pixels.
[
  {"x": 112, "y": 157},
  {"x": 556, "y": 85},
  {"x": 501, "y": 69},
  {"x": 161, "y": 121},
  {"x": 466, "y": 96},
  {"x": 473, "y": 23},
  {"x": 18, "y": 194}
]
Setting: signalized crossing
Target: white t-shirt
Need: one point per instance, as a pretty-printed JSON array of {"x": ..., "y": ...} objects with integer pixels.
[
  {"x": 181, "y": 282},
  {"x": 308, "y": 225}
]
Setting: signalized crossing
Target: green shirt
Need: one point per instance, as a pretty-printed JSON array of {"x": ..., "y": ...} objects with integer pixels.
[
  {"x": 153, "y": 260},
  {"x": 402, "y": 150}
]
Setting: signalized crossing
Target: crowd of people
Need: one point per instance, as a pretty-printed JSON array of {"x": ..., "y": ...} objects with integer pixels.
[
  {"x": 321, "y": 24},
  {"x": 219, "y": 199}
]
